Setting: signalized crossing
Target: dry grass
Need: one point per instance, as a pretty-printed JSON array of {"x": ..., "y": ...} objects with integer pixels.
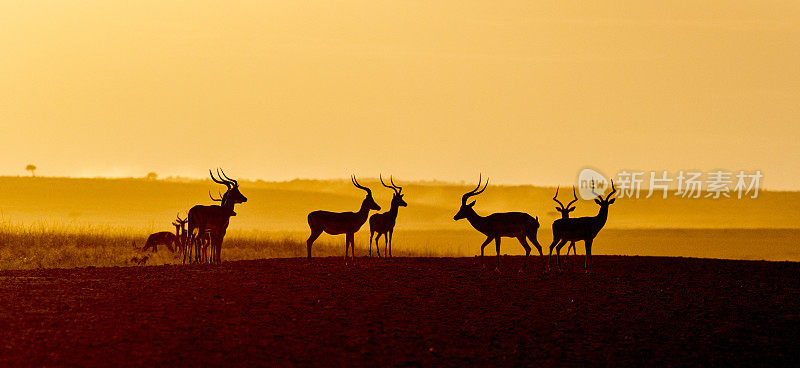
[
  {"x": 65, "y": 246},
  {"x": 47, "y": 245}
]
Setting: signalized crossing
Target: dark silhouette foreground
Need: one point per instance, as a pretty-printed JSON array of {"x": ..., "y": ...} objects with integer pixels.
[{"x": 632, "y": 311}]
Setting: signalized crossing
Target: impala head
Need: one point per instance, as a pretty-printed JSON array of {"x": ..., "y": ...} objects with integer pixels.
[
  {"x": 565, "y": 210},
  {"x": 232, "y": 194},
  {"x": 368, "y": 201},
  {"x": 466, "y": 209},
  {"x": 604, "y": 203},
  {"x": 397, "y": 198},
  {"x": 180, "y": 223}
]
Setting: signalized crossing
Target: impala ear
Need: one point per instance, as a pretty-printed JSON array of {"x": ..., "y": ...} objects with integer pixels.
[
  {"x": 471, "y": 204},
  {"x": 597, "y": 201},
  {"x": 558, "y": 209},
  {"x": 612, "y": 200},
  {"x": 571, "y": 209}
]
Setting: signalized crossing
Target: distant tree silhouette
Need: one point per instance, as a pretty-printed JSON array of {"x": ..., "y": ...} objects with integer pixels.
[
  {"x": 151, "y": 176},
  {"x": 32, "y": 169}
]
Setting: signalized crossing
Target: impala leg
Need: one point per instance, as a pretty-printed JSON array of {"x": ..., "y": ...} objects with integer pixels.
[
  {"x": 485, "y": 243},
  {"x": 204, "y": 251},
  {"x": 532, "y": 238},
  {"x": 219, "y": 251},
  {"x": 497, "y": 246},
  {"x": 555, "y": 242},
  {"x": 527, "y": 251},
  {"x": 189, "y": 242},
  {"x": 371, "y": 234},
  {"x": 377, "y": 245},
  {"x": 391, "y": 231},
  {"x": 574, "y": 253},
  {"x": 558, "y": 252},
  {"x": 351, "y": 240},
  {"x": 314, "y": 235},
  {"x": 385, "y": 245},
  {"x": 589, "y": 254}
]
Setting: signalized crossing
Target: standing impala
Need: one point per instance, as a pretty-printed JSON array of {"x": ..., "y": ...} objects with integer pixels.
[
  {"x": 383, "y": 223},
  {"x": 565, "y": 210},
  {"x": 581, "y": 228},
  {"x": 213, "y": 220},
  {"x": 336, "y": 223},
  {"x": 509, "y": 224}
]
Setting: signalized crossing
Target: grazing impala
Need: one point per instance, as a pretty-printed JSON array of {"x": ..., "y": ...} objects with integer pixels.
[
  {"x": 383, "y": 223},
  {"x": 565, "y": 210},
  {"x": 166, "y": 238},
  {"x": 510, "y": 224},
  {"x": 336, "y": 223},
  {"x": 581, "y": 228},
  {"x": 213, "y": 220}
]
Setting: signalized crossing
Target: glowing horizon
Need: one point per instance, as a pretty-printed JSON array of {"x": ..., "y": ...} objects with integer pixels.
[{"x": 527, "y": 93}]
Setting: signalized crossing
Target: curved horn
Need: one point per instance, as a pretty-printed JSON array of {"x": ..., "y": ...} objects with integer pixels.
[
  {"x": 225, "y": 183},
  {"x": 236, "y": 183},
  {"x": 399, "y": 189},
  {"x": 359, "y": 186},
  {"x": 613, "y": 190},
  {"x": 474, "y": 191},
  {"x": 384, "y": 184},
  {"x": 575, "y": 196},
  {"x": 555, "y": 198},
  {"x": 595, "y": 193},
  {"x": 214, "y": 199}
]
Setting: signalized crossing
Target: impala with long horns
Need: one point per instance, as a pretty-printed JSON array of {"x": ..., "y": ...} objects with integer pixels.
[
  {"x": 383, "y": 223},
  {"x": 336, "y": 223},
  {"x": 565, "y": 210},
  {"x": 213, "y": 220},
  {"x": 518, "y": 225},
  {"x": 581, "y": 228}
]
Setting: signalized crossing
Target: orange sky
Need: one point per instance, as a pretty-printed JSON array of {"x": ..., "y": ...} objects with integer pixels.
[{"x": 522, "y": 91}]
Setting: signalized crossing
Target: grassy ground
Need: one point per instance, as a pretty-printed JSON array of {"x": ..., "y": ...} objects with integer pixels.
[{"x": 65, "y": 246}]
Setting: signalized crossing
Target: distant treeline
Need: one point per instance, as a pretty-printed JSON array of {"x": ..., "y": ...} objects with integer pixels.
[{"x": 283, "y": 206}]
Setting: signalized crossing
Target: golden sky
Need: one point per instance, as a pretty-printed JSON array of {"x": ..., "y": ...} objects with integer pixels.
[{"x": 523, "y": 91}]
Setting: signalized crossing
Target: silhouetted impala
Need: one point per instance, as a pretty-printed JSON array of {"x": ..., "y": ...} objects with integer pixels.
[
  {"x": 213, "y": 220},
  {"x": 336, "y": 223},
  {"x": 581, "y": 228},
  {"x": 565, "y": 210},
  {"x": 383, "y": 223},
  {"x": 166, "y": 238},
  {"x": 509, "y": 224}
]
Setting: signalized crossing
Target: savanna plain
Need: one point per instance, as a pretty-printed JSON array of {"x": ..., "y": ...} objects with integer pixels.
[{"x": 675, "y": 281}]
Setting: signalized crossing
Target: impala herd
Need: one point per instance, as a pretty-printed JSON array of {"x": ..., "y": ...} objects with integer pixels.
[{"x": 201, "y": 242}]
